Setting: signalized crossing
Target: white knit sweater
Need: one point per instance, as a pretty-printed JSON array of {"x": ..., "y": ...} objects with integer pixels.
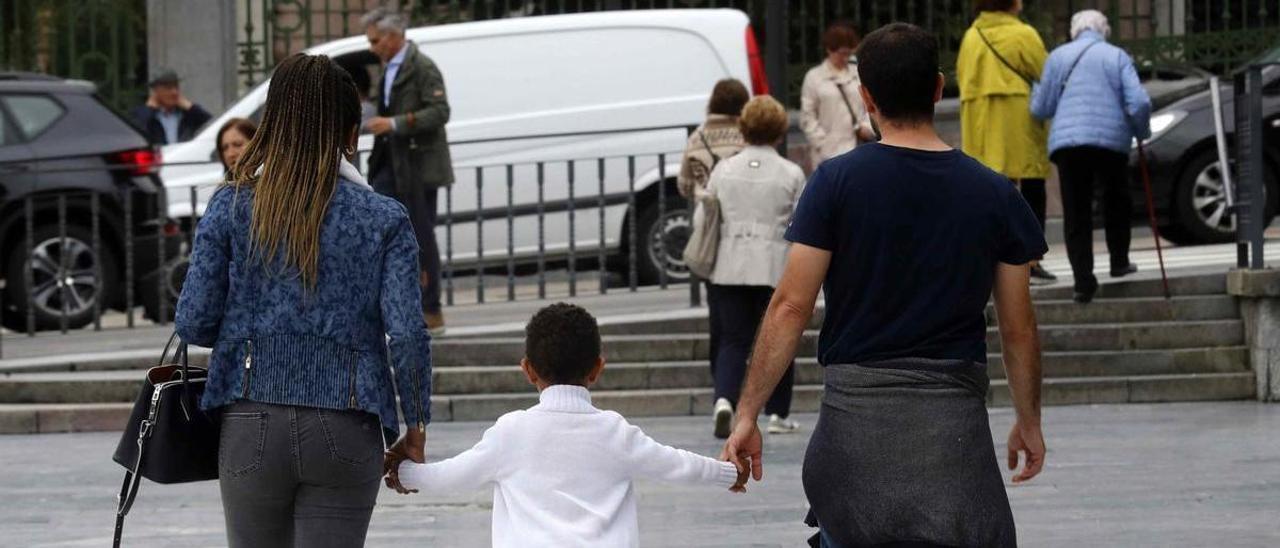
[{"x": 563, "y": 471}]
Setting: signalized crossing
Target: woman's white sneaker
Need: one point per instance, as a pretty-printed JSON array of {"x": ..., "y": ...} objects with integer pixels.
[
  {"x": 779, "y": 425},
  {"x": 723, "y": 418}
]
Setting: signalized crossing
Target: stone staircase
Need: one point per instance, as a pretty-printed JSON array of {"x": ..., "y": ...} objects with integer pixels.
[{"x": 1129, "y": 345}]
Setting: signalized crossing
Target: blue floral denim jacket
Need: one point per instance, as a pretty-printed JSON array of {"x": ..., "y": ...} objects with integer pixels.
[{"x": 276, "y": 342}]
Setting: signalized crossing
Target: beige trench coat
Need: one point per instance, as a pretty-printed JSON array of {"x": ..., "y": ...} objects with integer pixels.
[
  {"x": 757, "y": 191},
  {"x": 824, "y": 113}
]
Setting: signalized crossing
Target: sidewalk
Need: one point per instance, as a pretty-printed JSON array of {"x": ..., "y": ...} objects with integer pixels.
[
  {"x": 1128, "y": 475},
  {"x": 498, "y": 315}
]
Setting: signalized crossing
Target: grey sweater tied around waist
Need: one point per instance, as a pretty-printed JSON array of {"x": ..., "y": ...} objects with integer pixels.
[{"x": 903, "y": 452}]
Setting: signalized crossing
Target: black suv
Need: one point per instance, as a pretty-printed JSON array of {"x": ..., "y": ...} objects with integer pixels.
[{"x": 82, "y": 216}]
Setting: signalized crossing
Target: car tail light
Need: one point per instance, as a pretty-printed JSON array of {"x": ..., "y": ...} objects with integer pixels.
[
  {"x": 140, "y": 161},
  {"x": 759, "y": 80}
]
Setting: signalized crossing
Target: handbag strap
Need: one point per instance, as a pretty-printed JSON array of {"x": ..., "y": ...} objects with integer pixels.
[
  {"x": 714, "y": 158},
  {"x": 133, "y": 476},
  {"x": 845, "y": 99},
  {"x": 1005, "y": 62},
  {"x": 1072, "y": 70},
  {"x": 165, "y": 353},
  {"x": 186, "y": 401}
]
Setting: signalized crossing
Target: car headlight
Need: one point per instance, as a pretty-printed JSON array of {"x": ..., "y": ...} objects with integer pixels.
[{"x": 1161, "y": 123}]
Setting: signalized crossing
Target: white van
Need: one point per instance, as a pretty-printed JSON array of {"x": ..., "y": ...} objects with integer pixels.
[{"x": 592, "y": 101}]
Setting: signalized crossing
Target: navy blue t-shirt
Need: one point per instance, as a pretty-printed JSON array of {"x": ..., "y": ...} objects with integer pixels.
[{"x": 914, "y": 238}]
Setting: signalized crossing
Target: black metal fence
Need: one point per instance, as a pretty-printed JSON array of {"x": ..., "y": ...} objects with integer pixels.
[
  {"x": 1215, "y": 34},
  {"x": 72, "y": 256},
  {"x": 533, "y": 230},
  {"x": 613, "y": 254}
]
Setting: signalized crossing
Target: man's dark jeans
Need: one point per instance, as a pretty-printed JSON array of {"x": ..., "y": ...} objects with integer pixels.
[
  {"x": 298, "y": 476},
  {"x": 421, "y": 205}
]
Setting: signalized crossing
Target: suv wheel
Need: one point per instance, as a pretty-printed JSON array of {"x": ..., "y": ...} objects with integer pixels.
[
  {"x": 64, "y": 279},
  {"x": 1200, "y": 205},
  {"x": 661, "y": 241}
]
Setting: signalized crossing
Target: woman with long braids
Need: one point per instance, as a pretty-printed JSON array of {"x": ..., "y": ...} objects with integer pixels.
[{"x": 299, "y": 274}]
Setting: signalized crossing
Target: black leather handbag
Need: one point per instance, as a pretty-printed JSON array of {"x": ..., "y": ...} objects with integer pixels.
[{"x": 168, "y": 438}]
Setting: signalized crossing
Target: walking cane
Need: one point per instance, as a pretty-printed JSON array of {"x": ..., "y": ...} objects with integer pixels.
[{"x": 1151, "y": 216}]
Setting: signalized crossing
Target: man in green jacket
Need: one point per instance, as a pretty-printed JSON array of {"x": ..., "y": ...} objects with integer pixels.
[{"x": 410, "y": 159}]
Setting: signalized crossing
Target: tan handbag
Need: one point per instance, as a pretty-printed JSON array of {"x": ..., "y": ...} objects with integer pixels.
[{"x": 704, "y": 242}]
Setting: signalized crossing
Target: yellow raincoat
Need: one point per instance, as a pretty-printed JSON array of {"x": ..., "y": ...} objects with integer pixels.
[{"x": 996, "y": 126}]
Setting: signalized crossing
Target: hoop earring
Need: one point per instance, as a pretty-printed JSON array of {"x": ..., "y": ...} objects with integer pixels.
[{"x": 349, "y": 150}]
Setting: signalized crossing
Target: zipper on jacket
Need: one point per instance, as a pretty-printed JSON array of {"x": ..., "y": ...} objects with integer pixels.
[
  {"x": 417, "y": 401},
  {"x": 248, "y": 366},
  {"x": 354, "y": 364}
]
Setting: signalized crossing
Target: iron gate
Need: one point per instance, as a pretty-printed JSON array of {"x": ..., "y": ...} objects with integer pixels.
[
  {"x": 1214, "y": 34},
  {"x": 103, "y": 41}
]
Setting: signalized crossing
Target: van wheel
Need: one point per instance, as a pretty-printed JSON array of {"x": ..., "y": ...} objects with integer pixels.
[
  {"x": 661, "y": 241},
  {"x": 63, "y": 279}
]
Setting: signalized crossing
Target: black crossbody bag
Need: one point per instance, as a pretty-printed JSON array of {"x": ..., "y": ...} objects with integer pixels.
[{"x": 168, "y": 439}]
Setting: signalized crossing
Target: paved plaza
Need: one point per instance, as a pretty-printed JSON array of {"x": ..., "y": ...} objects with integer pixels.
[{"x": 1205, "y": 474}]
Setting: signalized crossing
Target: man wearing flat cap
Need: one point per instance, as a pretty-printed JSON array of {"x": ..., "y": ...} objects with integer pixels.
[{"x": 168, "y": 117}]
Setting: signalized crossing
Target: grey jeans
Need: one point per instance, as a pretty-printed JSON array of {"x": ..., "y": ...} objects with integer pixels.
[{"x": 298, "y": 476}]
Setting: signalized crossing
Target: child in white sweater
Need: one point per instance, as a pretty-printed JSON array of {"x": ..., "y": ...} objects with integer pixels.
[{"x": 563, "y": 471}]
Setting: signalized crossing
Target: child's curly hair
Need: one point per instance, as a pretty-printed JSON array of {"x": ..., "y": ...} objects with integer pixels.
[{"x": 562, "y": 343}]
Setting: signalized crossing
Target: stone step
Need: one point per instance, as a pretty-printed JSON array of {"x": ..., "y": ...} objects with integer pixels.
[
  {"x": 49, "y": 418},
  {"x": 1048, "y": 312},
  {"x": 807, "y": 397},
  {"x": 666, "y": 347},
  {"x": 1135, "y": 336},
  {"x": 1200, "y": 284},
  {"x": 1139, "y": 309},
  {"x": 122, "y": 386},
  {"x": 695, "y": 346}
]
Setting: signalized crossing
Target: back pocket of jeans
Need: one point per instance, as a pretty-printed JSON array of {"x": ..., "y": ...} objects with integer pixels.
[
  {"x": 241, "y": 445},
  {"x": 353, "y": 438}
]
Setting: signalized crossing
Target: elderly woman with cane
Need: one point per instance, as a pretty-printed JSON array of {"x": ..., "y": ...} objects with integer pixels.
[{"x": 1091, "y": 91}]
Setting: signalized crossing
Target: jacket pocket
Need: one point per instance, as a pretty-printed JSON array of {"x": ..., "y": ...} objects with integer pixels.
[
  {"x": 354, "y": 438},
  {"x": 240, "y": 447}
]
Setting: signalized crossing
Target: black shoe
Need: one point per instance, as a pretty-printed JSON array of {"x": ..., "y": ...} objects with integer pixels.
[
  {"x": 1083, "y": 297},
  {"x": 1040, "y": 276},
  {"x": 1124, "y": 271}
]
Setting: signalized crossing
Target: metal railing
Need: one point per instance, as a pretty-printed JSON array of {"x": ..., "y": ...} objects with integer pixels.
[
  {"x": 82, "y": 252},
  {"x": 597, "y": 220},
  {"x": 563, "y": 227}
]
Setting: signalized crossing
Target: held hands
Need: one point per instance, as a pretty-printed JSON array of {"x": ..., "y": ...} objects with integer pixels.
[
  {"x": 744, "y": 449},
  {"x": 411, "y": 446},
  {"x": 1026, "y": 438},
  {"x": 378, "y": 125}
]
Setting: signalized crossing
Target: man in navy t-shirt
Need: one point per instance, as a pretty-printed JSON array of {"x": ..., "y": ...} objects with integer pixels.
[{"x": 908, "y": 238}]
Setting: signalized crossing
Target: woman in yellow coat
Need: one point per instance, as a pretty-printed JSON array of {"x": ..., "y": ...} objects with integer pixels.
[{"x": 1000, "y": 56}]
